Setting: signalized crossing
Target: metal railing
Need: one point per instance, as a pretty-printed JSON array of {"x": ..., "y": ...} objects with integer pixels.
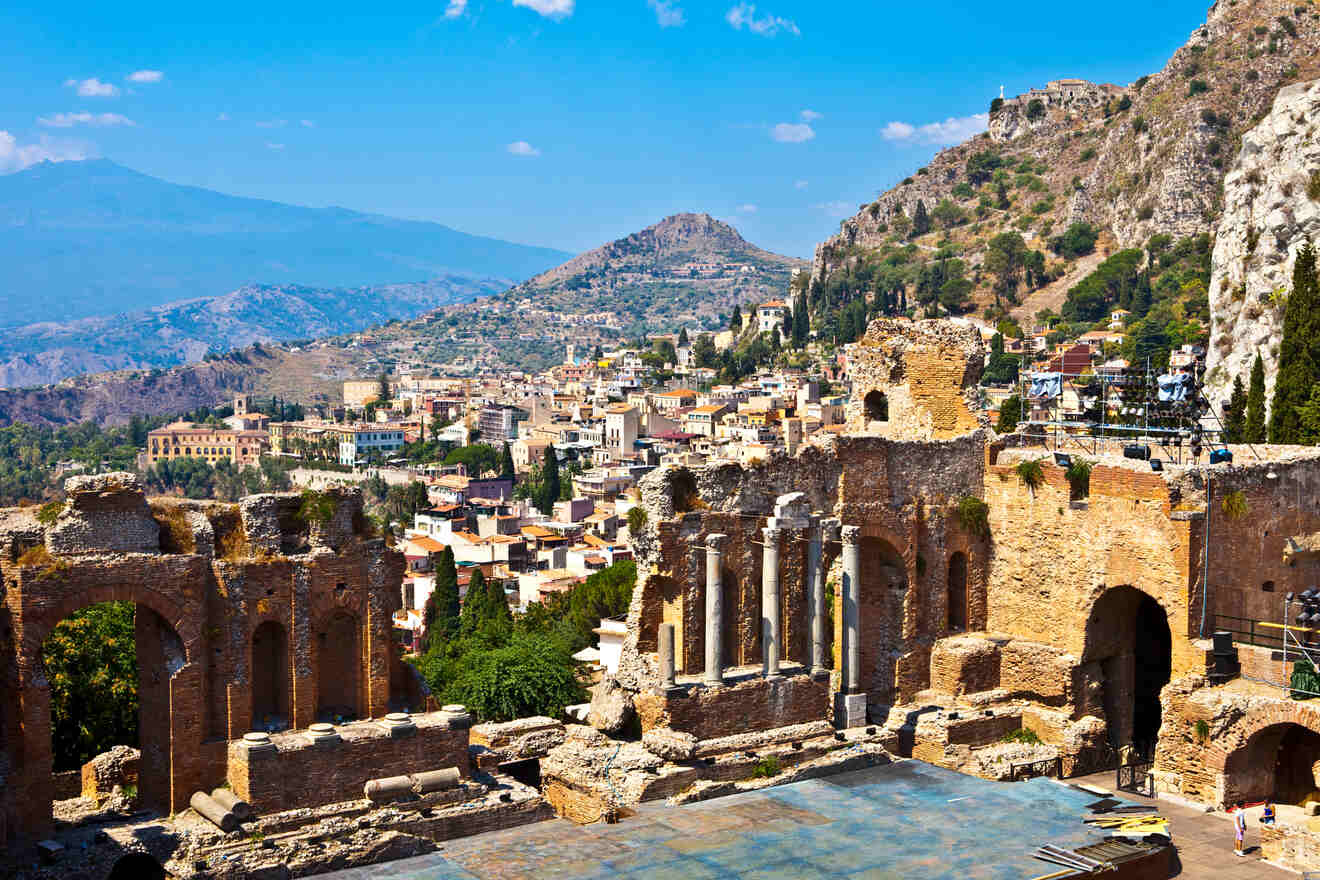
[
  {"x": 1030, "y": 769},
  {"x": 1248, "y": 631},
  {"x": 1135, "y": 778}
]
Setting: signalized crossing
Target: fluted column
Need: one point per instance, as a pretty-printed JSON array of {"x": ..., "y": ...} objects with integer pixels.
[
  {"x": 715, "y": 609},
  {"x": 771, "y": 619},
  {"x": 852, "y": 578}
]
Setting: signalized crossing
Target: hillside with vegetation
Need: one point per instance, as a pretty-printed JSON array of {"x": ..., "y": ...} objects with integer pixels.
[{"x": 1019, "y": 219}]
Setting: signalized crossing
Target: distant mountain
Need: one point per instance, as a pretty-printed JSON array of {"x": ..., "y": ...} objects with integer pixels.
[
  {"x": 186, "y": 331},
  {"x": 684, "y": 270},
  {"x": 87, "y": 238}
]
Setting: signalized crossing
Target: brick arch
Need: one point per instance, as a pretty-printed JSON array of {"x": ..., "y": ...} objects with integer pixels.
[
  {"x": 37, "y": 628},
  {"x": 1247, "y": 757},
  {"x": 1128, "y": 640},
  {"x": 1229, "y": 746}
]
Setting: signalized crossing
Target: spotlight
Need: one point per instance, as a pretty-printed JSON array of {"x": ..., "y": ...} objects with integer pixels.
[
  {"x": 1137, "y": 450},
  {"x": 1063, "y": 459},
  {"x": 1156, "y": 464},
  {"x": 1288, "y": 598}
]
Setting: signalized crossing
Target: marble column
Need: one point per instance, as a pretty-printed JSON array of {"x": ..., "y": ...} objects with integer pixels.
[
  {"x": 665, "y": 645},
  {"x": 852, "y": 576},
  {"x": 771, "y": 618},
  {"x": 715, "y": 608},
  {"x": 815, "y": 598}
]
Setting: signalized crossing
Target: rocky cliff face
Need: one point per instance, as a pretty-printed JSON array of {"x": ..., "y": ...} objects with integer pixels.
[{"x": 1271, "y": 208}]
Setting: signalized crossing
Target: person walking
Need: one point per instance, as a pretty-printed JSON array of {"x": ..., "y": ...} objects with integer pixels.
[{"x": 1239, "y": 829}]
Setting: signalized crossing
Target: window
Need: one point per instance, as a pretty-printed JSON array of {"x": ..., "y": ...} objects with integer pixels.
[{"x": 1267, "y": 587}]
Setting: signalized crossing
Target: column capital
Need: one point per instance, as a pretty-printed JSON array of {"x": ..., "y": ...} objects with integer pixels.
[
  {"x": 829, "y": 528},
  {"x": 850, "y": 534},
  {"x": 716, "y": 542},
  {"x": 772, "y": 533}
]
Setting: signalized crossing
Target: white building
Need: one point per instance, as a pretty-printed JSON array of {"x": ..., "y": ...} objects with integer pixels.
[
  {"x": 365, "y": 439},
  {"x": 770, "y": 315}
]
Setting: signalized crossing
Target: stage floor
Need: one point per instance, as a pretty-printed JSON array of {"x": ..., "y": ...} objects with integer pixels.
[{"x": 905, "y": 821}]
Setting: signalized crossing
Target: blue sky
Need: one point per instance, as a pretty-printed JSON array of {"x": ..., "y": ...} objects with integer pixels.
[{"x": 556, "y": 122}]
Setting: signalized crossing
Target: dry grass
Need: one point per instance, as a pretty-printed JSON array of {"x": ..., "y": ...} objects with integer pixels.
[
  {"x": 35, "y": 555},
  {"x": 176, "y": 534},
  {"x": 232, "y": 545}
]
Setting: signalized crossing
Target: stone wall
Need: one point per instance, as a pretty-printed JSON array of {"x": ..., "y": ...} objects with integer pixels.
[
  {"x": 296, "y": 769},
  {"x": 740, "y": 706},
  {"x": 203, "y": 576}
]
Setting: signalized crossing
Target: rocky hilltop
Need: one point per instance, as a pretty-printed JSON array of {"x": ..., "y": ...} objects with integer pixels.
[
  {"x": 1135, "y": 161},
  {"x": 185, "y": 332}
]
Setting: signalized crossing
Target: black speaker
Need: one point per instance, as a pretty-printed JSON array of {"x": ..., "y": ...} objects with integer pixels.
[{"x": 1139, "y": 451}]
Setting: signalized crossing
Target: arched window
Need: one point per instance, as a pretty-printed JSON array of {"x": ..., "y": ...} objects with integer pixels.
[
  {"x": 876, "y": 406},
  {"x": 958, "y": 592},
  {"x": 270, "y": 677}
]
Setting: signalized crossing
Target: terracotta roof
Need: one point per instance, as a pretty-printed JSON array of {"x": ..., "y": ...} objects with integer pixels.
[
  {"x": 678, "y": 392},
  {"x": 773, "y": 304},
  {"x": 709, "y": 408},
  {"x": 594, "y": 560},
  {"x": 430, "y": 545}
]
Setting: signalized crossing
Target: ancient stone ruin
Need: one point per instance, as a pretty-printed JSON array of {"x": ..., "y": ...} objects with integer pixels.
[{"x": 898, "y": 591}]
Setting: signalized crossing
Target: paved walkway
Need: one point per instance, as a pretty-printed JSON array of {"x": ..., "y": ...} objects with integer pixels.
[{"x": 1204, "y": 840}]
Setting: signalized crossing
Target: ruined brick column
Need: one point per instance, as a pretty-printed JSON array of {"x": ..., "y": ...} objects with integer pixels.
[
  {"x": 715, "y": 609},
  {"x": 816, "y": 592},
  {"x": 771, "y": 636},
  {"x": 850, "y": 702}
]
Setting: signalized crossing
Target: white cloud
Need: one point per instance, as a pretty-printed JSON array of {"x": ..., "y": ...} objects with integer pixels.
[
  {"x": 667, "y": 13},
  {"x": 92, "y": 88},
  {"x": 810, "y": 115},
  {"x": 522, "y": 148},
  {"x": 744, "y": 15},
  {"x": 548, "y": 8},
  {"x": 800, "y": 184},
  {"x": 792, "y": 132},
  {"x": 307, "y": 123},
  {"x": 953, "y": 130},
  {"x": 145, "y": 76},
  {"x": 456, "y": 8},
  {"x": 98, "y": 120},
  {"x": 15, "y": 156},
  {"x": 272, "y": 123},
  {"x": 274, "y": 146},
  {"x": 747, "y": 209},
  {"x": 838, "y": 209}
]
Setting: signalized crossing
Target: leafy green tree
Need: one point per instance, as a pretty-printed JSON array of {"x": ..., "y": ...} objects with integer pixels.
[
  {"x": 1004, "y": 258},
  {"x": 981, "y": 166},
  {"x": 1076, "y": 241},
  {"x": 1235, "y": 413},
  {"x": 91, "y": 667},
  {"x": 703, "y": 351},
  {"x": 532, "y": 675},
  {"x": 1010, "y": 413},
  {"x": 478, "y": 458},
  {"x": 506, "y": 462},
  {"x": 1254, "y": 431},
  {"x": 1299, "y": 351},
  {"x": 1002, "y": 368},
  {"x": 1035, "y": 109}
]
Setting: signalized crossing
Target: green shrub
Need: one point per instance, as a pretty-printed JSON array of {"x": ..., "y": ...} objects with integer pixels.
[
  {"x": 1197, "y": 87},
  {"x": 316, "y": 507},
  {"x": 49, "y": 512},
  {"x": 1305, "y": 683},
  {"x": 1235, "y": 505},
  {"x": 1313, "y": 187},
  {"x": 767, "y": 768},
  {"x": 1088, "y": 154},
  {"x": 1079, "y": 477},
  {"x": 974, "y": 515},
  {"x": 1202, "y": 731},
  {"x": 1031, "y": 472},
  {"x": 1035, "y": 109},
  {"x": 636, "y": 520},
  {"x": 1024, "y": 735}
]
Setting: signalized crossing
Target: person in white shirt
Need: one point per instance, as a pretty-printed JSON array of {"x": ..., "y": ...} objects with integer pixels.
[{"x": 1239, "y": 829}]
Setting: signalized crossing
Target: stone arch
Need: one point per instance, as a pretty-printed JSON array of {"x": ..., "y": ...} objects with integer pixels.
[
  {"x": 1280, "y": 761},
  {"x": 271, "y": 676},
  {"x": 956, "y": 617},
  {"x": 875, "y": 406},
  {"x": 339, "y": 666},
  {"x": 881, "y": 613},
  {"x": 1129, "y": 642},
  {"x": 137, "y": 866}
]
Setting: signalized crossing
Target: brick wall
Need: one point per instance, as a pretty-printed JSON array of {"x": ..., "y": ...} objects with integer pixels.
[
  {"x": 741, "y": 707},
  {"x": 298, "y": 772}
]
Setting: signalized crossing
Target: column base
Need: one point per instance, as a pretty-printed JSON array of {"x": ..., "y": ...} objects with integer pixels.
[{"x": 849, "y": 710}]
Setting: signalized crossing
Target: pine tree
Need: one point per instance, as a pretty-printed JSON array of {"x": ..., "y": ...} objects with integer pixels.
[
  {"x": 1235, "y": 413},
  {"x": 549, "y": 482},
  {"x": 920, "y": 219},
  {"x": 506, "y": 461},
  {"x": 1254, "y": 427},
  {"x": 1299, "y": 351}
]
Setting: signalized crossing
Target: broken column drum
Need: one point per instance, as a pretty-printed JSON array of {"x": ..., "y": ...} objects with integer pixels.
[
  {"x": 665, "y": 644},
  {"x": 770, "y": 617},
  {"x": 715, "y": 608}
]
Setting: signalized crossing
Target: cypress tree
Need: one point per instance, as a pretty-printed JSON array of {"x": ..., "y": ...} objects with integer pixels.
[
  {"x": 506, "y": 461},
  {"x": 1254, "y": 427},
  {"x": 801, "y": 321},
  {"x": 442, "y": 606},
  {"x": 682, "y": 336},
  {"x": 920, "y": 219},
  {"x": 476, "y": 604},
  {"x": 1299, "y": 352},
  {"x": 549, "y": 482},
  {"x": 735, "y": 320},
  {"x": 1235, "y": 413}
]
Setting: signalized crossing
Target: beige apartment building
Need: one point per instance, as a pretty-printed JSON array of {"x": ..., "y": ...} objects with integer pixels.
[{"x": 212, "y": 444}]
